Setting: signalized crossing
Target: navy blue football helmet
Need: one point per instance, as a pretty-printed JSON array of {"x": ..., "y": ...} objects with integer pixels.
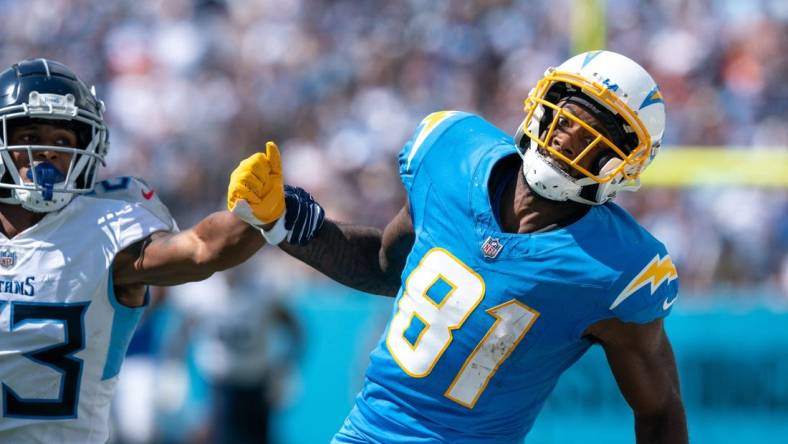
[{"x": 40, "y": 90}]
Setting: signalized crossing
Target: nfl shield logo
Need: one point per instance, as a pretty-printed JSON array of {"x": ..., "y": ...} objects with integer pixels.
[
  {"x": 7, "y": 258},
  {"x": 491, "y": 247}
]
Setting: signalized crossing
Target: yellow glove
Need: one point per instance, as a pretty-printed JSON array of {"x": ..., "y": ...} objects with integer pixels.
[{"x": 256, "y": 192}]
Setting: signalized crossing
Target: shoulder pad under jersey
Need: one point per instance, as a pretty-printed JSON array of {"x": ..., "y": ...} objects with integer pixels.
[
  {"x": 135, "y": 190},
  {"x": 428, "y": 131}
]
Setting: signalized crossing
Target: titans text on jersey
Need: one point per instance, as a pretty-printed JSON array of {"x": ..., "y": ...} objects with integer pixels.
[
  {"x": 24, "y": 287},
  {"x": 60, "y": 355}
]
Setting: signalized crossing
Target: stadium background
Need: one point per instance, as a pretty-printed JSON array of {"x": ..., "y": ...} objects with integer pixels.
[{"x": 192, "y": 86}]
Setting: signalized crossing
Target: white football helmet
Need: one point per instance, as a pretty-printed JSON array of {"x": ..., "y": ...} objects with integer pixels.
[
  {"x": 628, "y": 103},
  {"x": 41, "y": 90}
]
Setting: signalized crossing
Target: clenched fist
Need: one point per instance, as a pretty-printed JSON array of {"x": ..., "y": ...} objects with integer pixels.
[{"x": 256, "y": 191}]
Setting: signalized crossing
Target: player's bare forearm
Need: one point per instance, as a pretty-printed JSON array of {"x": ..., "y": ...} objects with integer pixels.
[
  {"x": 668, "y": 426},
  {"x": 351, "y": 255},
  {"x": 668, "y": 423},
  {"x": 226, "y": 241},
  {"x": 643, "y": 364},
  {"x": 218, "y": 242}
]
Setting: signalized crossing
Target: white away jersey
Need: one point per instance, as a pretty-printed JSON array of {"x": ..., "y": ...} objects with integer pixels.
[{"x": 63, "y": 335}]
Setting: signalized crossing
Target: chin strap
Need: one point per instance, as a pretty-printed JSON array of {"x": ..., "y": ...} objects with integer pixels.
[
  {"x": 33, "y": 200},
  {"x": 553, "y": 183}
]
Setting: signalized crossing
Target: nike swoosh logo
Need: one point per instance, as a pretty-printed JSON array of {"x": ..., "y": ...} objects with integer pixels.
[
  {"x": 666, "y": 304},
  {"x": 147, "y": 194}
]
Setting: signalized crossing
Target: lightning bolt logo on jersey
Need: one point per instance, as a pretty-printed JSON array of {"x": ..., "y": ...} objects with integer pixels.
[{"x": 486, "y": 321}]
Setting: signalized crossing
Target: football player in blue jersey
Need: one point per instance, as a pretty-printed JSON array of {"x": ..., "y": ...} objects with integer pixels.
[{"x": 508, "y": 261}]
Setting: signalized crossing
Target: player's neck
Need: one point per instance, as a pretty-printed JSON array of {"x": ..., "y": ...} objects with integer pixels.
[
  {"x": 14, "y": 219},
  {"x": 524, "y": 211}
]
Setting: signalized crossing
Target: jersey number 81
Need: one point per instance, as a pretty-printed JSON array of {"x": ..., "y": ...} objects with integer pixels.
[{"x": 417, "y": 359}]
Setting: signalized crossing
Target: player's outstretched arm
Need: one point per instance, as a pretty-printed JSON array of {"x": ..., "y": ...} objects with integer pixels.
[
  {"x": 363, "y": 258},
  {"x": 642, "y": 362},
  {"x": 218, "y": 242}
]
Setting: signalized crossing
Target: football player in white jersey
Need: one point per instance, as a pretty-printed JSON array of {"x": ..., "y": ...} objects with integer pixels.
[{"x": 76, "y": 257}]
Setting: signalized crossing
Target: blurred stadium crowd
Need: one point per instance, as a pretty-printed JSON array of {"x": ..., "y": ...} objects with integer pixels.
[{"x": 192, "y": 86}]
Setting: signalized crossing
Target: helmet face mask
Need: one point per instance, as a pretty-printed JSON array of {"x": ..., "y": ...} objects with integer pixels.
[
  {"x": 42, "y": 91},
  {"x": 620, "y": 94}
]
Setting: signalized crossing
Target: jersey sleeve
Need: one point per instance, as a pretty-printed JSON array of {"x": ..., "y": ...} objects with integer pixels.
[
  {"x": 423, "y": 140},
  {"x": 128, "y": 223},
  {"x": 136, "y": 191},
  {"x": 647, "y": 289}
]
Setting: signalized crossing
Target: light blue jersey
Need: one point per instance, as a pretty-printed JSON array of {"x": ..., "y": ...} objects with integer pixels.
[{"x": 486, "y": 321}]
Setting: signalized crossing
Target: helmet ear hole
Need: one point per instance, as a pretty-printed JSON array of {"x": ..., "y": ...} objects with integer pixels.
[
  {"x": 599, "y": 193},
  {"x": 608, "y": 163}
]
